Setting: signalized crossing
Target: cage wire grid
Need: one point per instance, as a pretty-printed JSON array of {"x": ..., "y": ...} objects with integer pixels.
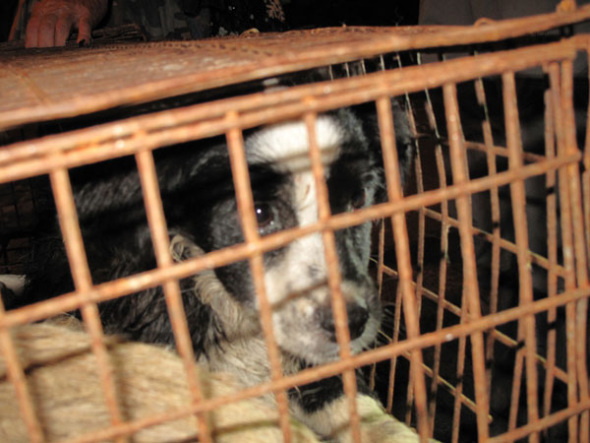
[{"x": 139, "y": 136}]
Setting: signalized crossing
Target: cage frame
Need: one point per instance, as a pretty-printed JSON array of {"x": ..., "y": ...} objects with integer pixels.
[{"x": 139, "y": 136}]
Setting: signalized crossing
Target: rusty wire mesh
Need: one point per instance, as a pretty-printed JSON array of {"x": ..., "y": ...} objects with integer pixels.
[{"x": 447, "y": 327}]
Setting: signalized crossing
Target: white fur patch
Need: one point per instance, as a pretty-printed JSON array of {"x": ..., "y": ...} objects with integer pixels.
[{"x": 286, "y": 145}]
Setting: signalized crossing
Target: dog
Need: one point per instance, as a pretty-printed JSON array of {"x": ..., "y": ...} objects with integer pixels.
[{"x": 221, "y": 305}]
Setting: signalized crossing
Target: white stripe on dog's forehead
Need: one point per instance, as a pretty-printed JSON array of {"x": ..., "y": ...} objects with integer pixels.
[{"x": 285, "y": 146}]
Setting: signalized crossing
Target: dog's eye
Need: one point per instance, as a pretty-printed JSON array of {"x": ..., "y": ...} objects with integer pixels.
[
  {"x": 358, "y": 200},
  {"x": 265, "y": 215}
]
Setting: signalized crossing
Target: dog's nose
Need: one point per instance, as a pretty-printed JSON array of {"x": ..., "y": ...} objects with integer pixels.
[{"x": 357, "y": 319}]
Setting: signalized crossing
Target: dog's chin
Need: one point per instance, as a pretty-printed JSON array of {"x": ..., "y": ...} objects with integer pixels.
[{"x": 322, "y": 352}]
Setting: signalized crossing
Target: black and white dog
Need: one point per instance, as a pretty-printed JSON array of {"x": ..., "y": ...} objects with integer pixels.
[{"x": 221, "y": 306}]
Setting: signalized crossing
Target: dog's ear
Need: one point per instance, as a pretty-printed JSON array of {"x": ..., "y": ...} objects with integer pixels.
[
  {"x": 196, "y": 164},
  {"x": 96, "y": 195},
  {"x": 404, "y": 138},
  {"x": 115, "y": 187}
]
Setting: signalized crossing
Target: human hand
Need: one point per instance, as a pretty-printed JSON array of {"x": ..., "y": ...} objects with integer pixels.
[{"x": 52, "y": 21}]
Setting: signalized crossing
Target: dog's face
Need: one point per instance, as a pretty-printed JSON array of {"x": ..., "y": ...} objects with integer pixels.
[{"x": 296, "y": 276}]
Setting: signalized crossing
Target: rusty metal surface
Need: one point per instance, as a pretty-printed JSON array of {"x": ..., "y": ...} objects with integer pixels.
[
  {"x": 40, "y": 85},
  {"x": 176, "y": 126}
]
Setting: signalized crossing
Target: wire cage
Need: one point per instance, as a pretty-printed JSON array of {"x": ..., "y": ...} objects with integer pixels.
[{"x": 481, "y": 262}]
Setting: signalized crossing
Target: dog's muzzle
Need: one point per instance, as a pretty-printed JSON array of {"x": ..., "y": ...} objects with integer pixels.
[{"x": 357, "y": 320}]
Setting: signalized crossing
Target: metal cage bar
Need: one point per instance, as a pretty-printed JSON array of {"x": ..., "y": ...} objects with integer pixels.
[
  {"x": 250, "y": 228},
  {"x": 161, "y": 243},
  {"x": 334, "y": 277},
  {"x": 471, "y": 291},
  {"x": 16, "y": 376},
  {"x": 66, "y": 210},
  {"x": 552, "y": 278},
  {"x": 391, "y": 167},
  {"x": 568, "y": 251},
  {"x": 526, "y": 330},
  {"x": 579, "y": 235}
]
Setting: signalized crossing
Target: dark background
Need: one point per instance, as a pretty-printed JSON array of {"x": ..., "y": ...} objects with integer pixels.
[
  {"x": 303, "y": 14},
  {"x": 318, "y": 13}
]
